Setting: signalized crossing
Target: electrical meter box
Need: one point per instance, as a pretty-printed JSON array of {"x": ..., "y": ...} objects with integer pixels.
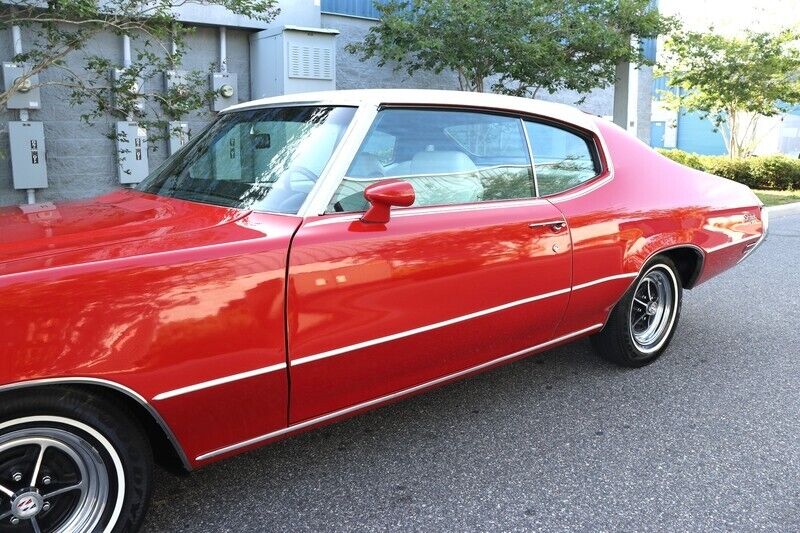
[
  {"x": 175, "y": 78},
  {"x": 226, "y": 86},
  {"x": 131, "y": 152},
  {"x": 27, "y": 96},
  {"x": 136, "y": 88},
  {"x": 178, "y": 136},
  {"x": 28, "y": 165},
  {"x": 293, "y": 60}
]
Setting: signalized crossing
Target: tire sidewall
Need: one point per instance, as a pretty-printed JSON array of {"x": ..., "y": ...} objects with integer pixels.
[
  {"x": 117, "y": 437},
  {"x": 635, "y": 356}
]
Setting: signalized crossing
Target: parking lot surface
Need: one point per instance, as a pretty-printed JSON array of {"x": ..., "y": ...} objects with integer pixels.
[{"x": 706, "y": 438}]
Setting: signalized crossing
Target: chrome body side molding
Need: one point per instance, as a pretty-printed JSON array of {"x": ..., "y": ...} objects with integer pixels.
[
  {"x": 113, "y": 385},
  {"x": 422, "y": 329},
  {"x": 219, "y": 381},
  {"x": 380, "y": 340},
  {"x": 390, "y": 397}
]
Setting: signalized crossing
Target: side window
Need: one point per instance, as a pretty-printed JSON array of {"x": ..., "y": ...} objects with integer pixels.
[
  {"x": 562, "y": 159},
  {"x": 450, "y": 157},
  {"x": 381, "y": 146}
]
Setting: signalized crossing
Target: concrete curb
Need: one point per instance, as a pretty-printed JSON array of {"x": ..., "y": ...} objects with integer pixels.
[{"x": 785, "y": 209}]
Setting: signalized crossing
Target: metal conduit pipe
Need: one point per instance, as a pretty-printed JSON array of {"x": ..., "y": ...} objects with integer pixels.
[{"x": 223, "y": 49}]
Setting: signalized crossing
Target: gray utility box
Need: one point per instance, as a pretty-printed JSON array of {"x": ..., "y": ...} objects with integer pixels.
[
  {"x": 28, "y": 165},
  {"x": 178, "y": 136},
  {"x": 136, "y": 88},
  {"x": 175, "y": 78},
  {"x": 293, "y": 60},
  {"x": 131, "y": 152},
  {"x": 226, "y": 87},
  {"x": 21, "y": 99}
]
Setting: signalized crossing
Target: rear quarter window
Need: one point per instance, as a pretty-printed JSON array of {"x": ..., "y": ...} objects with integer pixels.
[{"x": 562, "y": 159}]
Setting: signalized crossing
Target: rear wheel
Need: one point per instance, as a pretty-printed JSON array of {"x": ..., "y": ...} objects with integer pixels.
[
  {"x": 642, "y": 323},
  {"x": 71, "y": 464}
]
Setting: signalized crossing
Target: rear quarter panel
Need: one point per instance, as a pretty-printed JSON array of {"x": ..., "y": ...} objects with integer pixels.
[{"x": 645, "y": 205}]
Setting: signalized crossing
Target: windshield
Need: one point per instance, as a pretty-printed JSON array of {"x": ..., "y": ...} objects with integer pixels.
[{"x": 263, "y": 159}]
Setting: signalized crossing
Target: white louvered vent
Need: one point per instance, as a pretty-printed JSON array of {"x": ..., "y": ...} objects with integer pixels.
[{"x": 310, "y": 62}]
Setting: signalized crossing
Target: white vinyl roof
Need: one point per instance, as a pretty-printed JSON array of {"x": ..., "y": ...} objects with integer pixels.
[{"x": 377, "y": 97}]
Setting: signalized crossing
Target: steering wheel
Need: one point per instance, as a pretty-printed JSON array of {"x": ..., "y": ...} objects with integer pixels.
[{"x": 295, "y": 198}]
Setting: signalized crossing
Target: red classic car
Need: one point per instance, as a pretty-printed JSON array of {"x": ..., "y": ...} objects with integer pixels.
[{"x": 312, "y": 256}]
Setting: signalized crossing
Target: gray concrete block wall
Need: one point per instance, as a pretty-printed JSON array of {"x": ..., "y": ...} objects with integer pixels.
[
  {"x": 352, "y": 73},
  {"x": 81, "y": 159},
  {"x": 6, "y": 187}
]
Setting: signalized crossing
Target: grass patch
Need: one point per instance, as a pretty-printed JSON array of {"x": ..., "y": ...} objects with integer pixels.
[{"x": 778, "y": 197}]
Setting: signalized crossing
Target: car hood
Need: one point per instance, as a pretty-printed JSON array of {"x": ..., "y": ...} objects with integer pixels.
[{"x": 94, "y": 227}]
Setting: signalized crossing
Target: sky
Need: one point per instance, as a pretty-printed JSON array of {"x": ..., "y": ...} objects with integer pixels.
[{"x": 733, "y": 16}]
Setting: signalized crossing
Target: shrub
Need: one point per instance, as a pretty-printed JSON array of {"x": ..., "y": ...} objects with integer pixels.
[
  {"x": 760, "y": 172},
  {"x": 684, "y": 158},
  {"x": 734, "y": 169},
  {"x": 776, "y": 171}
]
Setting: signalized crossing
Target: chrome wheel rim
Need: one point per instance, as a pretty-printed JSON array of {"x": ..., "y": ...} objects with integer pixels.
[
  {"x": 653, "y": 309},
  {"x": 51, "y": 480}
]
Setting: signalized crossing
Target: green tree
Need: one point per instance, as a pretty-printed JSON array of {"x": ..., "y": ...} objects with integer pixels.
[
  {"x": 57, "y": 33},
  {"x": 526, "y": 45},
  {"x": 733, "y": 81}
]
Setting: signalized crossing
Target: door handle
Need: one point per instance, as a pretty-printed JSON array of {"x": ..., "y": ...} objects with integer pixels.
[{"x": 555, "y": 225}]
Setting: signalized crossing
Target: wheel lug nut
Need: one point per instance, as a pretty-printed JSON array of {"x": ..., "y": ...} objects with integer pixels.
[
  {"x": 46, "y": 480},
  {"x": 14, "y": 521},
  {"x": 17, "y": 476},
  {"x": 46, "y": 506}
]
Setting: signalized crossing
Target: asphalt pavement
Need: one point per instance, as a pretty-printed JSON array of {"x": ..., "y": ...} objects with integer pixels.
[{"x": 705, "y": 439}]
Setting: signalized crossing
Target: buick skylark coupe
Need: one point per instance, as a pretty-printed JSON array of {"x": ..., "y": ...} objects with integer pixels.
[{"x": 312, "y": 256}]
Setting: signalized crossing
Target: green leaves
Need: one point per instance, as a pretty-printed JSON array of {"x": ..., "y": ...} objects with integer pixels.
[
  {"x": 732, "y": 80},
  {"x": 776, "y": 172},
  {"x": 56, "y": 35},
  {"x": 527, "y": 45}
]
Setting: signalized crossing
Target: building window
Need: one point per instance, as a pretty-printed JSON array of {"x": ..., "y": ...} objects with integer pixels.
[{"x": 352, "y": 8}]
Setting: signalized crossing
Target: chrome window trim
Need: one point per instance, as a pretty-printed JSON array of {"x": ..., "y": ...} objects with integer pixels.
[
  {"x": 325, "y": 187},
  {"x": 444, "y": 175},
  {"x": 589, "y": 137},
  {"x": 530, "y": 157},
  {"x": 383, "y": 399},
  {"x": 338, "y": 170},
  {"x": 110, "y": 385},
  {"x": 333, "y": 218},
  {"x": 595, "y": 183}
]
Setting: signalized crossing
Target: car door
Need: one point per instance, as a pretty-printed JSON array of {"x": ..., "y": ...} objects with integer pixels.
[
  {"x": 573, "y": 174},
  {"x": 476, "y": 270}
]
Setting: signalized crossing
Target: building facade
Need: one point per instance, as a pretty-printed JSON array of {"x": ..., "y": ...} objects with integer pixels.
[
  {"x": 692, "y": 132},
  {"x": 262, "y": 59}
]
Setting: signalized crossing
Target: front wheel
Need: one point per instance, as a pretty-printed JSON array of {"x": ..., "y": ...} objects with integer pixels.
[
  {"x": 641, "y": 325},
  {"x": 70, "y": 463}
]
